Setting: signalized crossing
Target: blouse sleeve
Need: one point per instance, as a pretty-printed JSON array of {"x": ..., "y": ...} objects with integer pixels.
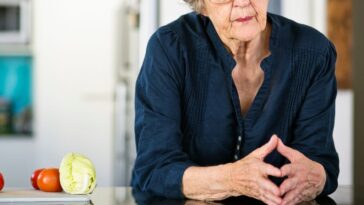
[
  {"x": 160, "y": 161},
  {"x": 313, "y": 129}
]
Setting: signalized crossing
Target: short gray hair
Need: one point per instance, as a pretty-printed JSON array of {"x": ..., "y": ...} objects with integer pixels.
[{"x": 196, "y": 5}]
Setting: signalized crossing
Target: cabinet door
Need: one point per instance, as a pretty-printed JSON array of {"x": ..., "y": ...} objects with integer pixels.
[{"x": 75, "y": 62}]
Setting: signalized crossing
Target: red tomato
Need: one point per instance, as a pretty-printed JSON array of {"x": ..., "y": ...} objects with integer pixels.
[
  {"x": 34, "y": 178},
  {"x": 1, "y": 181},
  {"x": 48, "y": 180}
]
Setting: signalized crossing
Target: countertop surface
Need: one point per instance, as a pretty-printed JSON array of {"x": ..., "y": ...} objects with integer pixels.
[{"x": 127, "y": 196}]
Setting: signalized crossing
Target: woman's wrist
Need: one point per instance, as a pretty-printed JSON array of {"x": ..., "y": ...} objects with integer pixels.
[
  {"x": 208, "y": 183},
  {"x": 229, "y": 180}
]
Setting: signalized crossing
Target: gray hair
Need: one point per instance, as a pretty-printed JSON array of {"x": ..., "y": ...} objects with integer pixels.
[{"x": 196, "y": 5}]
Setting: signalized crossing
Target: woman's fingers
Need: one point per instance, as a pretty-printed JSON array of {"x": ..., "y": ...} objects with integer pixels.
[
  {"x": 288, "y": 185},
  {"x": 270, "y": 193},
  {"x": 292, "y": 197},
  {"x": 271, "y": 199},
  {"x": 267, "y": 148},
  {"x": 250, "y": 178},
  {"x": 272, "y": 170},
  {"x": 270, "y": 187},
  {"x": 306, "y": 178},
  {"x": 291, "y": 154},
  {"x": 287, "y": 170}
]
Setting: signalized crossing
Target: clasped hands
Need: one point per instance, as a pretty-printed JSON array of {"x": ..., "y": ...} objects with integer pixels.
[{"x": 304, "y": 178}]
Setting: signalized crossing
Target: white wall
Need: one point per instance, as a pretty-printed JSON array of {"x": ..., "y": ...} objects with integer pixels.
[
  {"x": 150, "y": 20},
  {"x": 17, "y": 159},
  {"x": 309, "y": 12},
  {"x": 170, "y": 10},
  {"x": 343, "y": 135},
  {"x": 148, "y": 25}
]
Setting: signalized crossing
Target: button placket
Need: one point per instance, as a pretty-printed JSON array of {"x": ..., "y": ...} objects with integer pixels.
[
  {"x": 237, "y": 151},
  {"x": 238, "y": 144}
]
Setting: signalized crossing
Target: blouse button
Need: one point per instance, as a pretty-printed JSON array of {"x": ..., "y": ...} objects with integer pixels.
[
  {"x": 237, "y": 147},
  {"x": 236, "y": 157},
  {"x": 239, "y": 138}
]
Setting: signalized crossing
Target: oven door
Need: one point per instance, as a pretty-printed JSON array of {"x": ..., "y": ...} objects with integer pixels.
[{"x": 15, "y": 21}]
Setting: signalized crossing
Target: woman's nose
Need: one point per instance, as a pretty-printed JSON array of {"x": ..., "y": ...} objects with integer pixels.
[{"x": 241, "y": 3}]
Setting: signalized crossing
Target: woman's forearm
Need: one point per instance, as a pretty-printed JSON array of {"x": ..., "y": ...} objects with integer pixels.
[{"x": 207, "y": 183}]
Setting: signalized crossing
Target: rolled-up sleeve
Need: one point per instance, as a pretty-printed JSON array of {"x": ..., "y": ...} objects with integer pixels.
[
  {"x": 313, "y": 129},
  {"x": 160, "y": 161}
]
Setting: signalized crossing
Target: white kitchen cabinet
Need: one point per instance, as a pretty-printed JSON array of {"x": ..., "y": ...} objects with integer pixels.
[{"x": 75, "y": 64}]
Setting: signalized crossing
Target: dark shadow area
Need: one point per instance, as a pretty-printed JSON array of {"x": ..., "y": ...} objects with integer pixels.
[{"x": 358, "y": 74}]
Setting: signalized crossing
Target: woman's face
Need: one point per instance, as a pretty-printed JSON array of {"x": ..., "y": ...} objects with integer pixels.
[{"x": 237, "y": 19}]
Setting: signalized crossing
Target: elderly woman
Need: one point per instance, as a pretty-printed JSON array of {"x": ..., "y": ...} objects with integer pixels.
[{"x": 232, "y": 100}]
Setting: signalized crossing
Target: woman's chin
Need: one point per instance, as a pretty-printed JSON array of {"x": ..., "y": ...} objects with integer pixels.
[
  {"x": 245, "y": 33},
  {"x": 245, "y": 36}
]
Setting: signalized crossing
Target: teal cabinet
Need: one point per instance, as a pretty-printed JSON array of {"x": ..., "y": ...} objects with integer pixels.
[{"x": 15, "y": 96}]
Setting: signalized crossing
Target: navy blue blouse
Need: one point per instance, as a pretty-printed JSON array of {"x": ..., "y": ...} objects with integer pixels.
[{"x": 188, "y": 111}]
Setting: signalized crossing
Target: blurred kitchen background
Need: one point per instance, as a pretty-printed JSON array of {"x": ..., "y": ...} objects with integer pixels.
[{"x": 67, "y": 74}]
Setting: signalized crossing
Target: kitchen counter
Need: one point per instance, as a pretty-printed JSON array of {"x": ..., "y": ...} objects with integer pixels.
[{"x": 127, "y": 196}]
